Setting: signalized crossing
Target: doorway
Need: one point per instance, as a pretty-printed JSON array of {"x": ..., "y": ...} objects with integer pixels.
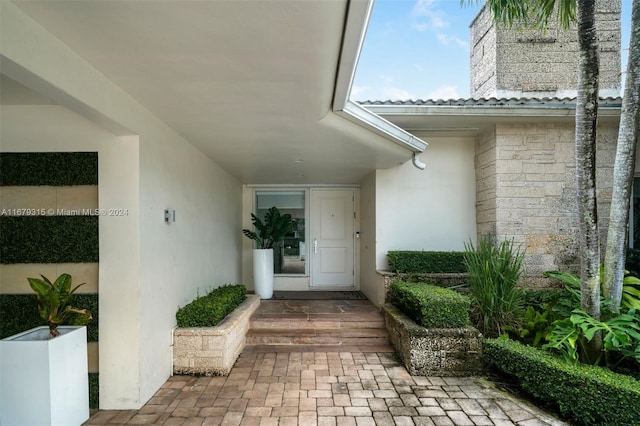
[{"x": 332, "y": 238}]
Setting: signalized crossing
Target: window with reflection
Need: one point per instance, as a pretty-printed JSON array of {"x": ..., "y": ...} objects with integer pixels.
[{"x": 289, "y": 255}]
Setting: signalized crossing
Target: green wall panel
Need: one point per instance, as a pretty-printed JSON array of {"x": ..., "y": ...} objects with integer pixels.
[
  {"x": 49, "y": 239},
  {"x": 19, "y": 312},
  {"x": 48, "y": 168}
]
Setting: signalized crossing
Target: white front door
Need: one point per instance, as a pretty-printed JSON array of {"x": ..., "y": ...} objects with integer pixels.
[{"x": 332, "y": 238}]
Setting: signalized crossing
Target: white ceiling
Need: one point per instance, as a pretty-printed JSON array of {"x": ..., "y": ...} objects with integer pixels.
[{"x": 250, "y": 83}]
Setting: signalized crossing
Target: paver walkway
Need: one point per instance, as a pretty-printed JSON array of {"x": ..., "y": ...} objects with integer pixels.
[{"x": 327, "y": 389}]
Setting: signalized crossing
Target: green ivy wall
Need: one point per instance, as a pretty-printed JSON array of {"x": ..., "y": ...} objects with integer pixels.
[{"x": 49, "y": 226}]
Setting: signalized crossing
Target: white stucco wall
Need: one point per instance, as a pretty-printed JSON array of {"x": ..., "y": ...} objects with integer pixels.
[
  {"x": 147, "y": 268},
  {"x": 55, "y": 129},
  {"x": 369, "y": 280},
  {"x": 433, "y": 209}
]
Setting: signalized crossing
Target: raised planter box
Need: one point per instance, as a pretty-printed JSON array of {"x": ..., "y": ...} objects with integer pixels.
[
  {"x": 433, "y": 351},
  {"x": 212, "y": 351},
  {"x": 44, "y": 381}
]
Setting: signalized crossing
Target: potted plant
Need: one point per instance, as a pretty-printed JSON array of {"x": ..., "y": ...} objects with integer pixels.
[
  {"x": 44, "y": 370},
  {"x": 266, "y": 234}
]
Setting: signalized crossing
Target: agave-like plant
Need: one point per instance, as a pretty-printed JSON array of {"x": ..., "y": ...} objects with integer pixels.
[
  {"x": 274, "y": 228},
  {"x": 53, "y": 302}
]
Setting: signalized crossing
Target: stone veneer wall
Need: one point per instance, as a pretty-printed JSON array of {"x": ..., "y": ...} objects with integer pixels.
[
  {"x": 526, "y": 190},
  {"x": 433, "y": 351},
  {"x": 212, "y": 351},
  {"x": 513, "y": 63}
]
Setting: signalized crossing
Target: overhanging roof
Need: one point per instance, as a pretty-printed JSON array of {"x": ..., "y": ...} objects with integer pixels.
[
  {"x": 467, "y": 117},
  {"x": 260, "y": 87}
]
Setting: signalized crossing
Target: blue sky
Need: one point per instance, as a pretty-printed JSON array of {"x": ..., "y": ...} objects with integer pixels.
[{"x": 419, "y": 49}]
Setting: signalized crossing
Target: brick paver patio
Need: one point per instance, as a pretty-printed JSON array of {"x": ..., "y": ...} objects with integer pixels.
[{"x": 327, "y": 389}]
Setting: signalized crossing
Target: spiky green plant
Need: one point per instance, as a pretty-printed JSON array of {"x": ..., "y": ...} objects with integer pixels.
[
  {"x": 53, "y": 302},
  {"x": 494, "y": 270}
]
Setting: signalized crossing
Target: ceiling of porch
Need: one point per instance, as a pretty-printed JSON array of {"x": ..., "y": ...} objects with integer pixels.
[{"x": 249, "y": 83}]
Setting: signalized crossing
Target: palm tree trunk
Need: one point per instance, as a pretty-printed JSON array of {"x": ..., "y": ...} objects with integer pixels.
[
  {"x": 624, "y": 167},
  {"x": 586, "y": 117}
]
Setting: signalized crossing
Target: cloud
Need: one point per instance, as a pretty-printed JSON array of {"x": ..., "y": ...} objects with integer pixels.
[
  {"x": 445, "y": 92},
  {"x": 358, "y": 91},
  {"x": 380, "y": 93},
  {"x": 397, "y": 94},
  {"x": 446, "y": 40},
  {"x": 427, "y": 16}
]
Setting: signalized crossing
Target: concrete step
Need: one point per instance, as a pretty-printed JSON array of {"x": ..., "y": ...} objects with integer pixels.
[
  {"x": 311, "y": 325},
  {"x": 317, "y": 337},
  {"x": 323, "y": 323}
]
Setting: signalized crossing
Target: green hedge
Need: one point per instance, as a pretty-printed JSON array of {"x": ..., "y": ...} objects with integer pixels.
[
  {"x": 426, "y": 262},
  {"x": 210, "y": 310},
  {"x": 48, "y": 168},
  {"x": 49, "y": 239},
  {"x": 584, "y": 394},
  {"x": 19, "y": 313},
  {"x": 94, "y": 391},
  {"x": 431, "y": 306}
]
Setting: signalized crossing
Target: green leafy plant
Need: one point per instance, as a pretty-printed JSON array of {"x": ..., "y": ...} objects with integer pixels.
[
  {"x": 620, "y": 334},
  {"x": 53, "y": 302},
  {"x": 533, "y": 327},
  {"x": 630, "y": 291},
  {"x": 494, "y": 271},
  {"x": 272, "y": 230}
]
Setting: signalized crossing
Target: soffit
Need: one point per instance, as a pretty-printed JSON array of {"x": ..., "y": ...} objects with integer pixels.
[{"x": 249, "y": 83}]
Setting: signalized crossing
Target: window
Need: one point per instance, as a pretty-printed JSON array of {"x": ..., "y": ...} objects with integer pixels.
[{"x": 289, "y": 255}]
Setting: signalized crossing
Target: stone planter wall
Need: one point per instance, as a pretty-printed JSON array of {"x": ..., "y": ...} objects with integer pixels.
[
  {"x": 212, "y": 351},
  {"x": 433, "y": 352}
]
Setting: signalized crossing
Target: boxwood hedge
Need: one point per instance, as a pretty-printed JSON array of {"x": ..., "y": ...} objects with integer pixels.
[
  {"x": 210, "y": 310},
  {"x": 431, "y": 306},
  {"x": 426, "y": 262},
  {"x": 585, "y": 394}
]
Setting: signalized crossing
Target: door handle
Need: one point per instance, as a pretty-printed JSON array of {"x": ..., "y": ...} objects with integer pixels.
[{"x": 315, "y": 245}]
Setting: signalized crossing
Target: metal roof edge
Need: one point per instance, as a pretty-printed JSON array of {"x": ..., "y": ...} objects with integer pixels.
[{"x": 355, "y": 28}]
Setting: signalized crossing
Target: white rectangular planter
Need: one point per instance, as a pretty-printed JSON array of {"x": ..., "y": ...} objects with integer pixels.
[{"x": 44, "y": 381}]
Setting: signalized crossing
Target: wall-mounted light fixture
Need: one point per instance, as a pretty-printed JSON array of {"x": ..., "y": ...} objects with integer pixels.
[
  {"x": 417, "y": 163},
  {"x": 169, "y": 215}
]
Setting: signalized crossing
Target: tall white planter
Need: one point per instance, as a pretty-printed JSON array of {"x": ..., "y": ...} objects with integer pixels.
[
  {"x": 263, "y": 272},
  {"x": 44, "y": 381}
]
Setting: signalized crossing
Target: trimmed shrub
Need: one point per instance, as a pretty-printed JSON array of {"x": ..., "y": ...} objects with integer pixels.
[
  {"x": 426, "y": 262},
  {"x": 19, "y": 312},
  {"x": 210, "y": 310},
  {"x": 584, "y": 394},
  {"x": 49, "y": 239},
  {"x": 431, "y": 306},
  {"x": 48, "y": 168}
]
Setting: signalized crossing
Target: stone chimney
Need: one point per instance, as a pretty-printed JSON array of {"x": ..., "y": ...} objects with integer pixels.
[{"x": 517, "y": 63}]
